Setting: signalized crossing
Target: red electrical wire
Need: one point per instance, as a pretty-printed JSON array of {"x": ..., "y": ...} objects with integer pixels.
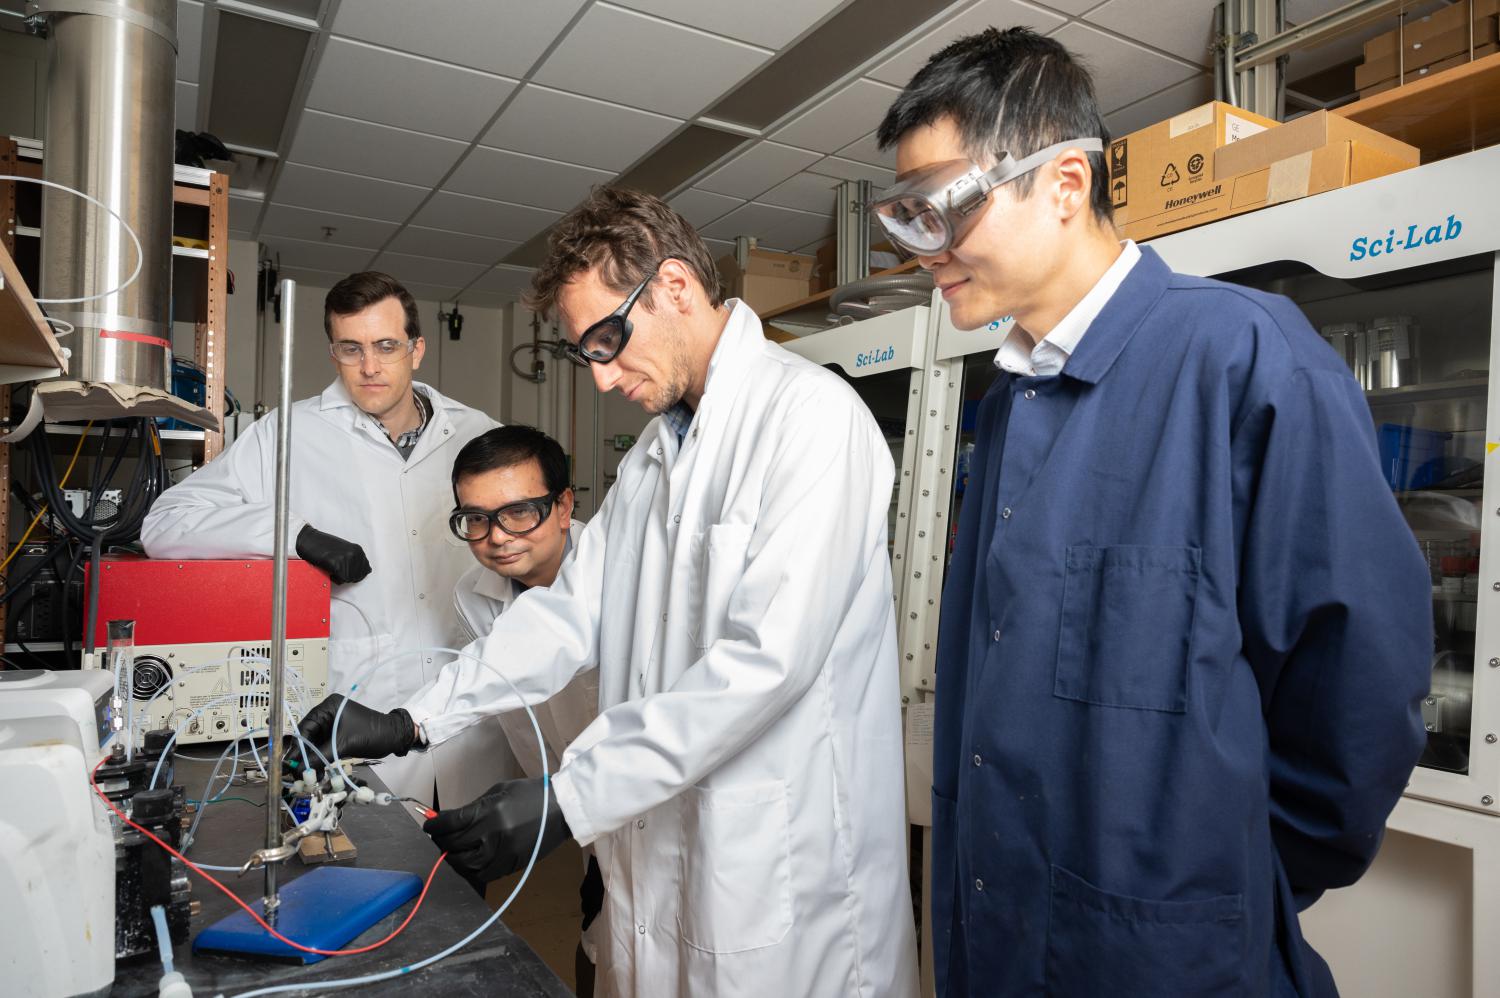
[{"x": 236, "y": 898}]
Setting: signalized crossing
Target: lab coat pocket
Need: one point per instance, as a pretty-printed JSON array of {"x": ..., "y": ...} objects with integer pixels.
[
  {"x": 721, "y": 552},
  {"x": 736, "y": 867},
  {"x": 1100, "y": 943},
  {"x": 1126, "y": 626}
]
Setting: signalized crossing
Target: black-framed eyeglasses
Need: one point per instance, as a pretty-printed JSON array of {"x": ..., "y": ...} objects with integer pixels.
[
  {"x": 603, "y": 341},
  {"x": 516, "y": 518}
]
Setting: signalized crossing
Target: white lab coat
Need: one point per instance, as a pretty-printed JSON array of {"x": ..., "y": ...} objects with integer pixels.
[
  {"x": 742, "y": 785},
  {"x": 349, "y": 480},
  {"x": 481, "y": 596}
]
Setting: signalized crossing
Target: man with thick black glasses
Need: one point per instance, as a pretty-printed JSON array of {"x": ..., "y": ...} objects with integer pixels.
[
  {"x": 741, "y": 784},
  {"x": 371, "y": 458}
]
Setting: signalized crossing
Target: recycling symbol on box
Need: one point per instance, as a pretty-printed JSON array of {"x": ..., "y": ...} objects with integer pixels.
[{"x": 1170, "y": 175}]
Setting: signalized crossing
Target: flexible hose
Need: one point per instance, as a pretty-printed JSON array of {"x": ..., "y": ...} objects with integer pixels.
[
  {"x": 140, "y": 257},
  {"x": 872, "y": 296}
]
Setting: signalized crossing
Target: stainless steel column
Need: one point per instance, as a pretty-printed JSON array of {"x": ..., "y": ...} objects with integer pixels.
[
  {"x": 278, "y": 596},
  {"x": 111, "y": 109}
]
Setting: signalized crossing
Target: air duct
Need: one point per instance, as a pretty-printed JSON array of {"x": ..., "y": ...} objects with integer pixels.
[{"x": 110, "y": 125}]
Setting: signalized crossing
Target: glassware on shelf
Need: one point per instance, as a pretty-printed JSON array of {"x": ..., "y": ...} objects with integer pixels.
[
  {"x": 1351, "y": 342},
  {"x": 1393, "y": 361}
]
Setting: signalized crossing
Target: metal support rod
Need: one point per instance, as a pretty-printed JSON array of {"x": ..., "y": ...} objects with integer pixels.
[
  {"x": 1314, "y": 31},
  {"x": 278, "y": 595},
  {"x": 852, "y": 230}
]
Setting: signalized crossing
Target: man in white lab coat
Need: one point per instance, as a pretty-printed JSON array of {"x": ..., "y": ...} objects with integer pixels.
[
  {"x": 742, "y": 785},
  {"x": 514, "y": 508},
  {"x": 371, "y": 458}
]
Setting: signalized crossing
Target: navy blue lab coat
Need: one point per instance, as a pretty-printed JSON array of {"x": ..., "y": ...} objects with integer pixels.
[{"x": 1184, "y": 640}]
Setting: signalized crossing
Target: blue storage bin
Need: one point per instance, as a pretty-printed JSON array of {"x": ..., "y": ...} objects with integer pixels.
[{"x": 1411, "y": 457}]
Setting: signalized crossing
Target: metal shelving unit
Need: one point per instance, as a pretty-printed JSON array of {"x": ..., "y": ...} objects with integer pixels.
[{"x": 1449, "y": 862}]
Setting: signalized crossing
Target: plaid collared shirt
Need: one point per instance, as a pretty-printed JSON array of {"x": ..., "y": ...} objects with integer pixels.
[
  {"x": 679, "y": 418},
  {"x": 407, "y": 442}
]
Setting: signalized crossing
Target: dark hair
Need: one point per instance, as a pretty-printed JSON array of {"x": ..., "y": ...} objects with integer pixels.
[
  {"x": 358, "y": 292},
  {"x": 1008, "y": 91},
  {"x": 507, "y": 446},
  {"x": 626, "y": 234}
]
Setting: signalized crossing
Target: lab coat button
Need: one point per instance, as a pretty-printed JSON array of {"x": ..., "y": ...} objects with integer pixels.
[
  {"x": 641, "y": 929},
  {"x": 421, "y": 595},
  {"x": 641, "y": 823},
  {"x": 414, "y": 533},
  {"x": 1030, "y": 394},
  {"x": 1005, "y": 513},
  {"x": 676, "y": 519}
]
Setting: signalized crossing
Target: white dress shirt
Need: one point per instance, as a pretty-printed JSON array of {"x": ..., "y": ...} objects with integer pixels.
[{"x": 1020, "y": 354}]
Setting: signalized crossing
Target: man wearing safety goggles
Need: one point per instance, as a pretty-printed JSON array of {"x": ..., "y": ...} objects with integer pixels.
[
  {"x": 741, "y": 782},
  {"x": 1185, "y": 631}
]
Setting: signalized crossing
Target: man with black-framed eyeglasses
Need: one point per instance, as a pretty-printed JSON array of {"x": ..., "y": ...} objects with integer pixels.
[
  {"x": 371, "y": 458},
  {"x": 513, "y": 507}
]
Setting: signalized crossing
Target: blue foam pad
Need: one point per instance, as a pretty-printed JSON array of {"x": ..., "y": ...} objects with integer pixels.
[{"x": 326, "y": 908}]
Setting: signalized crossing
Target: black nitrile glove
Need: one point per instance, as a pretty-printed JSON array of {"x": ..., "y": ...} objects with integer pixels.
[
  {"x": 363, "y": 733},
  {"x": 494, "y": 836},
  {"x": 344, "y": 561}
]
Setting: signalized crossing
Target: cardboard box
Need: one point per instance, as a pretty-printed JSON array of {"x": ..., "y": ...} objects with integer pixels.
[
  {"x": 1426, "y": 71},
  {"x": 1306, "y": 134},
  {"x": 771, "y": 280},
  {"x": 1326, "y": 168},
  {"x": 1424, "y": 29},
  {"x": 1173, "y": 160},
  {"x": 1421, "y": 54}
]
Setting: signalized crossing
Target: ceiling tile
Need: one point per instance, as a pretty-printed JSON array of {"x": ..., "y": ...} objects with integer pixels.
[
  {"x": 1182, "y": 27},
  {"x": 1123, "y": 71},
  {"x": 425, "y": 270},
  {"x": 243, "y": 212},
  {"x": 505, "y": 280},
  {"x": 771, "y": 23},
  {"x": 317, "y": 255},
  {"x": 520, "y": 179},
  {"x": 901, "y": 67},
  {"x": 841, "y": 119},
  {"x": 431, "y": 293},
  {"x": 337, "y": 143},
  {"x": 1161, "y": 106},
  {"x": 307, "y": 224},
  {"x": 847, "y": 169},
  {"x": 573, "y": 129},
  {"x": 373, "y": 84},
  {"x": 773, "y": 227},
  {"x": 702, "y": 207},
  {"x": 419, "y": 241},
  {"x": 187, "y": 106},
  {"x": 482, "y": 217},
  {"x": 620, "y": 55},
  {"x": 757, "y": 169},
  {"x": 189, "y": 39},
  {"x": 1075, "y": 8},
  {"x": 312, "y": 278},
  {"x": 718, "y": 247},
  {"x": 805, "y": 191},
  {"x": 498, "y": 36},
  {"x": 867, "y": 151},
  {"x": 345, "y": 193}
]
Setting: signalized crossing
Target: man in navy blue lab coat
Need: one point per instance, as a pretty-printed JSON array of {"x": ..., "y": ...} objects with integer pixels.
[{"x": 1186, "y": 631}]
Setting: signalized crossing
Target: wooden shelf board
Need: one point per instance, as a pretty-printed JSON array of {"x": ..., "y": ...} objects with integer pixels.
[
  {"x": 823, "y": 296},
  {"x": 28, "y": 349},
  {"x": 1448, "y": 113}
]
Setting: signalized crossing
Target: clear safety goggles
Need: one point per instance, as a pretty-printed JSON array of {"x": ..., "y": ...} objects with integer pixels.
[{"x": 934, "y": 208}]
